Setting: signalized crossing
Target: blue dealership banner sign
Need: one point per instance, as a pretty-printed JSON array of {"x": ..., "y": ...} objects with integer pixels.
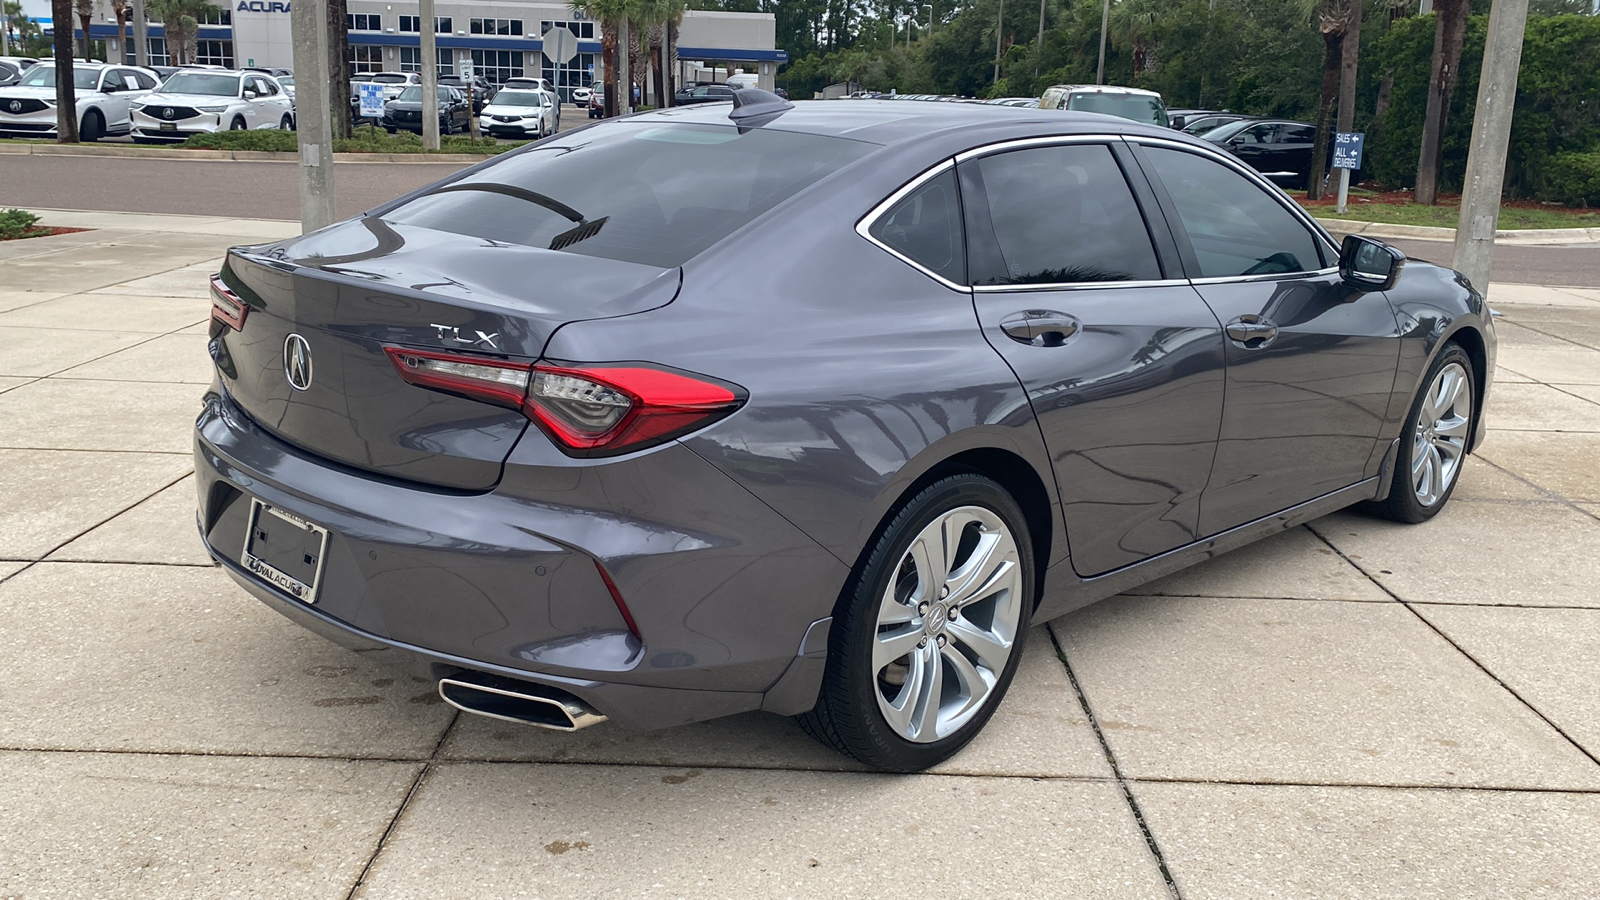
[{"x": 1347, "y": 150}]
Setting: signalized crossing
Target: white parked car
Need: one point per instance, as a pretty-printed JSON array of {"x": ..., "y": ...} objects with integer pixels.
[
  {"x": 103, "y": 95},
  {"x": 518, "y": 113},
  {"x": 200, "y": 101},
  {"x": 393, "y": 82},
  {"x": 580, "y": 96}
]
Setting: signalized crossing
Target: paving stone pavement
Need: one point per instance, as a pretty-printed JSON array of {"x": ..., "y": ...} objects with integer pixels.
[{"x": 1349, "y": 709}]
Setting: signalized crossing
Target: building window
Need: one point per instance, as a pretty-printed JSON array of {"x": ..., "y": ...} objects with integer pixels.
[
  {"x": 157, "y": 48},
  {"x": 364, "y": 22},
  {"x": 584, "y": 30},
  {"x": 365, "y": 58},
  {"x": 411, "y": 61},
  {"x": 413, "y": 24},
  {"x": 496, "y": 26},
  {"x": 215, "y": 15},
  {"x": 496, "y": 66},
  {"x": 576, "y": 72},
  {"x": 214, "y": 53}
]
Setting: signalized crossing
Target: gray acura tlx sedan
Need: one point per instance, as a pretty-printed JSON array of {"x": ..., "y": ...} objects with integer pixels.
[{"x": 807, "y": 408}]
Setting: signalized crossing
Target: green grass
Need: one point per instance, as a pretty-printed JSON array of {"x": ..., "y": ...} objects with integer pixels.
[{"x": 1446, "y": 216}]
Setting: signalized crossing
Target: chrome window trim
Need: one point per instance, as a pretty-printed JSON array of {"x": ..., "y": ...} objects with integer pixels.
[
  {"x": 1077, "y": 285},
  {"x": 1275, "y": 276},
  {"x": 1276, "y": 193},
  {"x": 1025, "y": 143},
  {"x": 864, "y": 226}
]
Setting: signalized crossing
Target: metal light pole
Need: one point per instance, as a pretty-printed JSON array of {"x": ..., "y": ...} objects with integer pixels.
[
  {"x": 313, "y": 117},
  {"x": 1038, "y": 47},
  {"x": 141, "y": 34},
  {"x": 1105, "y": 19},
  {"x": 430, "y": 77},
  {"x": 999, "y": 23},
  {"x": 1491, "y": 133}
]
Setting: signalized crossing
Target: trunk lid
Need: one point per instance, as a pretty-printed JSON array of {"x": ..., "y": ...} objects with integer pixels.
[{"x": 350, "y": 290}]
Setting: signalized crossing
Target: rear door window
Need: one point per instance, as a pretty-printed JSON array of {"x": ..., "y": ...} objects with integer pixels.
[
  {"x": 1059, "y": 215},
  {"x": 925, "y": 227}
]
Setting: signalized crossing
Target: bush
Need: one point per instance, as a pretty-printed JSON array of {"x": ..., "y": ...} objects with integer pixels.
[
  {"x": 1573, "y": 179},
  {"x": 365, "y": 139},
  {"x": 16, "y": 223}
]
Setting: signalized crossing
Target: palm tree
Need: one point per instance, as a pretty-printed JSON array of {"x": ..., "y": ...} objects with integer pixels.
[
  {"x": 123, "y": 10},
  {"x": 85, "y": 11},
  {"x": 613, "y": 16},
  {"x": 182, "y": 21},
  {"x": 1333, "y": 22}
]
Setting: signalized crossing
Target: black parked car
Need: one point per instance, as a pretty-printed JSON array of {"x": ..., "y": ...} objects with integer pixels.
[
  {"x": 704, "y": 93},
  {"x": 405, "y": 111},
  {"x": 1277, "y": 148},
  {"x": 1200, "y": 123},
  {"x": 480, "y": 89}
]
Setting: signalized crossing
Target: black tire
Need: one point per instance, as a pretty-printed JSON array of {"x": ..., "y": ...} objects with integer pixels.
[
  {"x": 93, "y": 127},
  {"x": 286, "y": 123},
  {"x": 1403, "y": 503},
  {"x": 848, "y": 716},
  {"x": 237, "y": 124},
  {"x": 388, "y": 129}
]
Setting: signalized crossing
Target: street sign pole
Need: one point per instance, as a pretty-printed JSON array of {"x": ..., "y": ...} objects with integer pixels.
[
  {"x": 313, "y": 117},
  {"x": 1346, "y": 157}
]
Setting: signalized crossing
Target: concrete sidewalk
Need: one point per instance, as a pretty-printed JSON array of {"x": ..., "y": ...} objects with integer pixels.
[{"x": 1350, "y": 709}]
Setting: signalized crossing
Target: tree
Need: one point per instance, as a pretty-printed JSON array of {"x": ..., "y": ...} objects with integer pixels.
[
  {"x": 66, "y": 97},
  {"x": 613, "y": 16},
  {"x": 85, "y": 11},
  {"x": 123, "y": 10},
  {"x": 1450, "y": 32},
  {"x": 339, "y": 68},
  {"x": 1333, "y": 23},
  {"x": 181, "y": 18}
]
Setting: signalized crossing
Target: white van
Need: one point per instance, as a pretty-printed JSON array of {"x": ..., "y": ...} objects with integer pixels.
[
  {"x": 740, "y": 81},
  {"x": 1123, "y": 102}
]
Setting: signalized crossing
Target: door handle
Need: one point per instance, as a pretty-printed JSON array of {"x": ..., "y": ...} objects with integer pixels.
[
  {"x": 1039, "y": 327},
  {"x": 1251, "y": 331}
]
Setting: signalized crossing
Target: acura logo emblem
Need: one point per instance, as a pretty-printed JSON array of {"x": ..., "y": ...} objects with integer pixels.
[
  {"x": 16, "y": 106},
  {"x": 297, "y": 362},
  {"x": 166, "y": 113}
]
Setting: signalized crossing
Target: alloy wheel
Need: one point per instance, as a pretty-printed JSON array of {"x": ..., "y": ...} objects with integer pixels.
[
  {"x": 1439, "y": 440},
  {"x": 947, "y": 624}
]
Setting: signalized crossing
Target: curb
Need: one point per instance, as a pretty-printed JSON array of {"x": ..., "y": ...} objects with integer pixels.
[
  {"x": 1512, "y": 236},
  {"x": 102, "y": 151}
]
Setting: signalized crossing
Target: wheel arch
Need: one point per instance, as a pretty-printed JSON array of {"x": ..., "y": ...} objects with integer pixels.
[{"x": 1471, "y": 340}]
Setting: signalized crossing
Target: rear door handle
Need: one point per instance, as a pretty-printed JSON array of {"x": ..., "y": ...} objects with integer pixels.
[
  {"x": 1251, "y": 331},
  {"x": 1039, "y": 327}
]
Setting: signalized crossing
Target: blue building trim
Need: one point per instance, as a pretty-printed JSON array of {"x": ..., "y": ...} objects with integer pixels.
[
  {"x": 100, "y": 32},
  {"x": 727, "y": 53}
]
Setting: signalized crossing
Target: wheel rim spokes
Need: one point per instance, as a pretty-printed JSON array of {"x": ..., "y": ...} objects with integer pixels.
[
  {"x": 1443, "y": 424},
  {"x": 947, "y": 624}
]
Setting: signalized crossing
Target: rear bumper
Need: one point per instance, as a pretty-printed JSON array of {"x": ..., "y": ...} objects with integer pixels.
[{"x": 505, "y": 581}]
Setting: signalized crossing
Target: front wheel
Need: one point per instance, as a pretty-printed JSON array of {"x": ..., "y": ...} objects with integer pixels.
[
  {"x": 93, "y": 127},
  {"x": 286, "y": 123},
  {"x": 237, "y": 125},
  {"x": 1433, "y": 446},
  {"x": 928, "y": 634}
]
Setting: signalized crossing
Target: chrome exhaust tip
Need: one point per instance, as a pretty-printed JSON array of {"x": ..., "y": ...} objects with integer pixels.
[{"x": 531, "y": 704}]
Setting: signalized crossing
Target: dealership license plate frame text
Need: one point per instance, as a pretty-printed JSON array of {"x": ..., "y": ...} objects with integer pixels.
[{"x": 273, "y": 572}]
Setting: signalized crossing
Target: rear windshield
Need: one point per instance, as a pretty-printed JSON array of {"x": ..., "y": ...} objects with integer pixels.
[
  {"x": 640, "y": 192},
  {"x": 1138, "y": 107}
]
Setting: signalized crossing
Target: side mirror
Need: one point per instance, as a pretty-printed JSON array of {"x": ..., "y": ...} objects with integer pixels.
[
  {"x": 249, "y": 94},
  {"x": 1369, "y": 265}
]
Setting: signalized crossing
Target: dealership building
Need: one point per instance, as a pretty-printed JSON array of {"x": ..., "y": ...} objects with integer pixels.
[{"x": 498, "y": 40}]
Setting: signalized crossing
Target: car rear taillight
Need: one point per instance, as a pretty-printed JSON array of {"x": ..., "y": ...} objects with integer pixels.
[
  {"x": 226, "y": 306},
  {"x": 588, "y": 410}
]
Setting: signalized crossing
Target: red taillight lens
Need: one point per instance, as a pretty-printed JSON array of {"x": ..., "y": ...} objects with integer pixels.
[
  {"x": 226, "y": 306},
  {"x": 589, "y": 410}
]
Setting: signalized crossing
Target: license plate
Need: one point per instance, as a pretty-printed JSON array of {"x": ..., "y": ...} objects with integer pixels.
[
  {"x": 285, "y": 550},
  {"x": 169, "y": 126}
]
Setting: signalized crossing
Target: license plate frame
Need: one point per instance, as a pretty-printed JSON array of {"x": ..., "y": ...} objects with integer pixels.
[
  {"x": 254, "y": 556},
  {"x": 169, "y": 126}
]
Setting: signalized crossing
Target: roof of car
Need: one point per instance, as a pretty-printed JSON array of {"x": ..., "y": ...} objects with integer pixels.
[
  {"x": 1104, "y": 89},
  {"x": 893, "y": 121}
]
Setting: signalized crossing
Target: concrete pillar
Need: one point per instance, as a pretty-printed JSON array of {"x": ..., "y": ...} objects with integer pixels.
[
  {"x": 1491, "y": 134},
  {"x": 313, "y": 123},
  {"x": 430, "y": 77}
]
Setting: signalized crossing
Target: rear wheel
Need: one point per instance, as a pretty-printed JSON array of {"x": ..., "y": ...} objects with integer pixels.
[
  {"x": 928, "y": 635},
  {"x": 286, "y": 123},
  {"x": 1433, "y": 447}
]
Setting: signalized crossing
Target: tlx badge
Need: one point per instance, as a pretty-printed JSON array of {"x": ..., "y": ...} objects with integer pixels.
[{"x": 453, "y": 334}]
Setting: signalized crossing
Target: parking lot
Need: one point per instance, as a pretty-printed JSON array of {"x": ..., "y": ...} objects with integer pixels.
[{"x": 1349, "y": 709}]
